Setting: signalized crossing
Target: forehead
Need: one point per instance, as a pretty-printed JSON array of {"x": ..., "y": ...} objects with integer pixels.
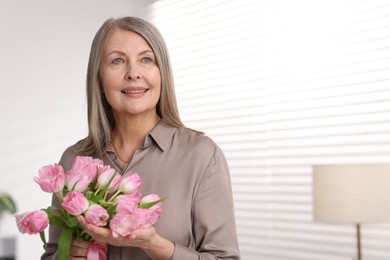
[{"x": 123, "y": 39}]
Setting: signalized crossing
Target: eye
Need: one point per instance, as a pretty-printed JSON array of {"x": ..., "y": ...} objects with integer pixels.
[
  {"x": 146, "y": 60},
  {"x": 117, "y": 61}
]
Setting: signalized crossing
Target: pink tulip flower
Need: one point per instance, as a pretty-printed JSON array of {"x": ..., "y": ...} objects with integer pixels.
[
  {"x": 32, "y": 222},
  {"x": 130, "y": 183},
  {"x": 51, "y": 178},
  {"x": 126, "y": 204},
  {"x": 145, "y": 218},
  {"x": 75, "y": 203},
  {"x": 150, "y": 198},
  {"x": 97, "y": 215},
  {"x": 136, "y": 195},
  {"x": 97, "y": 251},
  {"x": 106, "y": 173},
  {"x": 77, "y": 181},
  {"x": 122, "y": 225},
  {"x": 87, "y": 166}
]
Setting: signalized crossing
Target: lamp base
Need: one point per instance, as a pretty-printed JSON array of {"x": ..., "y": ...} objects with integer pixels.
[{"x": 358, "y": 242}]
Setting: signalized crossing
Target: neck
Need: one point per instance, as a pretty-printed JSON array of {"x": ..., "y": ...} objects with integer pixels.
[
  {"x": 129, "y": 134},
  {"x": 134, "y": 127}
]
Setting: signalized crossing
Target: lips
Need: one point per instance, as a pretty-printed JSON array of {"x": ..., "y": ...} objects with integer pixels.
[{"x": 134, "y": 90}]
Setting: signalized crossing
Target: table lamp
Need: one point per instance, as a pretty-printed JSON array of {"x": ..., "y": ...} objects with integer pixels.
[{"x": 351, "y": 194}]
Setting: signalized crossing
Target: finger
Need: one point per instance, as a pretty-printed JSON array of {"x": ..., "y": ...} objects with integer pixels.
[
  {"x": 76, "y": 251},
  {"x": 99, "y": 231},
  {"x": 85, "y": 225},
  {"x": 82, "y": 220},
  {"x": 81, "y": 244},
  {"x": 142, "y": 234}
]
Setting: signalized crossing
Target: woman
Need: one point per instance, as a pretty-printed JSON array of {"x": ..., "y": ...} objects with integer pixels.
[{"x": 134, "y": 125}]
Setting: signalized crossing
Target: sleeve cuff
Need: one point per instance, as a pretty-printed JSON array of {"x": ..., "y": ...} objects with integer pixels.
[{"x": 181, "y": 252}]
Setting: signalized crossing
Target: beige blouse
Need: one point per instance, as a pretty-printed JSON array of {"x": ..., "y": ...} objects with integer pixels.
[{"x": 190, "y": 170}]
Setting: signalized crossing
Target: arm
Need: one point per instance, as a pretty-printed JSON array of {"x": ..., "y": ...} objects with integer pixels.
[
  {"x": 54, "y": 231},
  {"x": 157, "y": 247},
  {"x": 213, "y": 216}
]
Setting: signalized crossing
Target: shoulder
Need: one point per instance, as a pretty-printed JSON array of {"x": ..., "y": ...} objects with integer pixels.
[
  {"x": 192, "y": 137},
  {"x": 181, "y": 139},
  {"x": 70, "y": 154},
  {"x": 196, "y": 143}
]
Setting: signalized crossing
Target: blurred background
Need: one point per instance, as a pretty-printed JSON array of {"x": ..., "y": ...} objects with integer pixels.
[{"x": 280, "y": 85}]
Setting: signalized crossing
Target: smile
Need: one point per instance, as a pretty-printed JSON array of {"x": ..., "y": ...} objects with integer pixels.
[{"x": 134, "y": 91}]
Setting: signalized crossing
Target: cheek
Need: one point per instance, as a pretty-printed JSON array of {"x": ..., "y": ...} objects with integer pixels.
[
  {"x": 157, "y": 80},
  {"x": 109, "y": 84},
  {"x": 107, "y": 88},
  {"x": 110, "y": 78},
  {"x": 157, "y": 88}
]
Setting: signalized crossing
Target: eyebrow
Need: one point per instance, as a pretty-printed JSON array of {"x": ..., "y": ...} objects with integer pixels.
[{"x": 123, "y": 53}]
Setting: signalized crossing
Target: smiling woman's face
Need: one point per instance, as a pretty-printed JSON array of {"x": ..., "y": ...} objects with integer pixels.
[{"x": 129, "y": 74}]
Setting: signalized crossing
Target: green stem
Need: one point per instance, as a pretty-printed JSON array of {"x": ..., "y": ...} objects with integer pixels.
[
  {"x": 97, "y": 191},
  {"x": 59, "y": 196},
  {"x": 114, "y": 196}
]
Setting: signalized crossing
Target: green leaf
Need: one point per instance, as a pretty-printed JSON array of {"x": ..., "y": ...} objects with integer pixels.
[
  {"x": 63, "y": 213},
  {"x": 150, "y": 204},
  {"x": 64, "y": 244},
  {"x": 90, "y": 195},
  {"x": 7, "y": 204},
  {"x": 57, "y": 221},
  {"x": 65, "y": 191},
  {"x": 51, "y": 209},
  {"x": 111, "y": 210},
  {"x": 43, "y": 238},
  {"x": 73, "y": 222}
]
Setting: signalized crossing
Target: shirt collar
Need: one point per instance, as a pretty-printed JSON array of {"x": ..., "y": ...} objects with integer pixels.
[{"x": 161, "y": 135}]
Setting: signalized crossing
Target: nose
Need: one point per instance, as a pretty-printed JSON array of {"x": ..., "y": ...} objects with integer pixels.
[
  {"x": 133, "y": 77},
  {"x": 132, "y": 73}
]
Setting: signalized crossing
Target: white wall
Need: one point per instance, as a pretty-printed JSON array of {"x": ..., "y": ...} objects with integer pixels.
[{"x": 44, "y": 49}]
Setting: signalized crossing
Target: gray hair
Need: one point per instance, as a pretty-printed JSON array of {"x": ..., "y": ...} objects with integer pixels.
[{"x": 101, "y": 121}]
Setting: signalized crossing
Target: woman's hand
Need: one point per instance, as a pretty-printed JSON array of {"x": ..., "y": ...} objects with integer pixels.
[
  {"x": 138, "y": 238},
  {"x": 78, "y": 250},
  {"x": 147, "y": 239}
]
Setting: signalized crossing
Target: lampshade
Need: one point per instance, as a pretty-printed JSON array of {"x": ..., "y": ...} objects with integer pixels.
[{"x": 351, "y": 193}]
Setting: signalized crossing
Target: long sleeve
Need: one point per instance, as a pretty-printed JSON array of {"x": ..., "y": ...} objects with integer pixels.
[
  {"x": 213, "y": 216},
  {"x": 54, "y": 231}
]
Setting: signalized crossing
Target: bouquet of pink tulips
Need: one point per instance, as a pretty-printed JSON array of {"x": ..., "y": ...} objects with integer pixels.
[{"x": 97, "y": 192}]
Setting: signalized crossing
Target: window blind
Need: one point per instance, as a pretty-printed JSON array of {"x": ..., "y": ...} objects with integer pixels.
[{"x": 281, "y": 86}]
